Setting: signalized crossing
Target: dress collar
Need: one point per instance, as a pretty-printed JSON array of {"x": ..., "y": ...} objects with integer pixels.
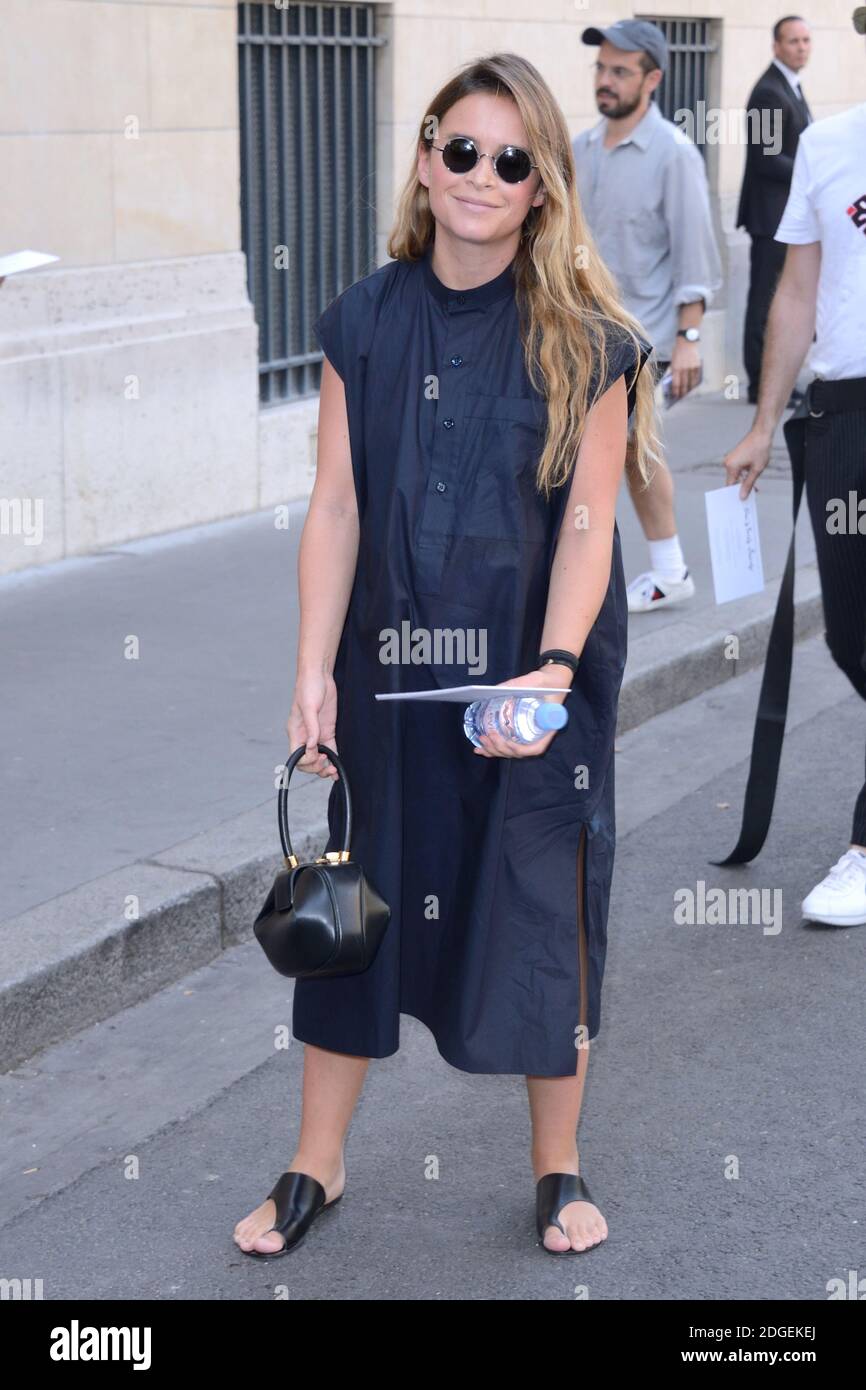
[{"x": 478, "y": 298}]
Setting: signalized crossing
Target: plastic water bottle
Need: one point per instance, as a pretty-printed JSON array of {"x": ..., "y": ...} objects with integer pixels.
[{"x": 521, "y": 718}]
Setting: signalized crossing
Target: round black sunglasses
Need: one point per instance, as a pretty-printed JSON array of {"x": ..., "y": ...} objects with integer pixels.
[{"x": 461, "y": 154}]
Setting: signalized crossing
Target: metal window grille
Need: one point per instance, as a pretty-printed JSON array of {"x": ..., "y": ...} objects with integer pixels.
[
  {"x": 307, "y": 118},
  {"x": 686, "y": 81}
]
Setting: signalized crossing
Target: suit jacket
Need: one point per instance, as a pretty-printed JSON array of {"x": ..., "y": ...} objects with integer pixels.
[{"x": 767, "y": 177}]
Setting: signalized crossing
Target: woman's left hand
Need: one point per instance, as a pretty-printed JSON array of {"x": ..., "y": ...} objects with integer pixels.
[{"x": 495, "y": 746}]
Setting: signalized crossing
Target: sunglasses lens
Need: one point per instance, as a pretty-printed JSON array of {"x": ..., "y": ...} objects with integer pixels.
[
  {"x": 513, "y": 165},
  {"x": 459, "y": 156}
]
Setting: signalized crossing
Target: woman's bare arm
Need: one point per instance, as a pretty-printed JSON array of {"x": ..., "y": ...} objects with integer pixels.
[
  {"x": 580, "y": 572},
  {"x": 327, "y": 559},
  {"x": 581, "y": 566},
  {"x": 328, "y": 552}
]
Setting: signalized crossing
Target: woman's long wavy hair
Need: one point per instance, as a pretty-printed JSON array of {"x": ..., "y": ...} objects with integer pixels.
[{"x": 565, "y": 294}]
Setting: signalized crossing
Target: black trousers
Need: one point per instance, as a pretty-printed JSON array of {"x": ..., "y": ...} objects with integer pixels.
[
  {"x": 835, "y": 467},
  {"x": 766, "y": 261}
]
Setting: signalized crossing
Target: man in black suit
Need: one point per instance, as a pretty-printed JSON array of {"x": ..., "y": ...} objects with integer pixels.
[{"x": 776, "y": 98}]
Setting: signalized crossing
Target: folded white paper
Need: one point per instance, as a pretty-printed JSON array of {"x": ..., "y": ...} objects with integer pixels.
[
  {"x": 735, "y": 545},
  {"x": 465, "y": 694},
  {"x": 24, "y": 260}
]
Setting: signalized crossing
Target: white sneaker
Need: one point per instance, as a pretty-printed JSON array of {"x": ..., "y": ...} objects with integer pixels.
[
  {"x": 840, "y": 898},
  {"x": 649, "y": 590}
]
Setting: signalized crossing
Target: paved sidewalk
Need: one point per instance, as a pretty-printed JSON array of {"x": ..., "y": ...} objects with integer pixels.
[
  {"x": 675, "y": 653},
  {"x": 152, "y": 779}
]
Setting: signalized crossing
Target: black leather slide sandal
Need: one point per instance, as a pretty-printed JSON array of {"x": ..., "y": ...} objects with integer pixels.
[
  {"x": 553, "y": 1192},
  {"x": 299, "y": 1199}
]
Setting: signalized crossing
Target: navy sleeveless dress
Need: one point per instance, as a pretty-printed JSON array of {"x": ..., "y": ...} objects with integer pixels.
[{"x": 497, "y": 870}]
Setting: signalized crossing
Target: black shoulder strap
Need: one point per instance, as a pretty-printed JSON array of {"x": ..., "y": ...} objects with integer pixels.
[{"x": 773, "y": 700}]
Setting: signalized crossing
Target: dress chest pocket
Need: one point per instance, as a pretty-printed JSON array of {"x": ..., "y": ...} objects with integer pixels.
[{"x": 503, "y": 441}]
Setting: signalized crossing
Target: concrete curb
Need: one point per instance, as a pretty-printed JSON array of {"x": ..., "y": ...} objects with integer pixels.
[
  {"x": 82, "y": 957},
  {"x": 85, "y": 955},
  {"x": 684, "y": 660}
]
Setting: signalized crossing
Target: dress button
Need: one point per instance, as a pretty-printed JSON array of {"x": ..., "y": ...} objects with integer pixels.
[
  {"x": 448, "y": 424},
  {"x": 440, "y": 487},
  {"x": 461, "y": 299},
  {"x": 456, "y": 361}
]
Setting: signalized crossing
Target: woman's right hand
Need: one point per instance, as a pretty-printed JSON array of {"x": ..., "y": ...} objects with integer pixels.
[{"x": 313, "y": 720}]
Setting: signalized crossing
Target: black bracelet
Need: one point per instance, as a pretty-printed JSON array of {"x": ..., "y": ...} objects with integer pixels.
[{"x": 555, "y": 656}]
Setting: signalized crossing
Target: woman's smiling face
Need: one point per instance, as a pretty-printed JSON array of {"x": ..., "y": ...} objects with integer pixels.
[{"x": 479, "y": 206}]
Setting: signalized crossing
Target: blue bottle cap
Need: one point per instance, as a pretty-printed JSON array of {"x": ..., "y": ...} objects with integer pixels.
[{"x": 550, "y": 715}]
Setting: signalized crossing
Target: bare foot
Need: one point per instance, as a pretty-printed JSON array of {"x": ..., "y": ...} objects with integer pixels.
[
  {"x": 255, "y": 1231},
  {"x": 583, "y": 1222}
]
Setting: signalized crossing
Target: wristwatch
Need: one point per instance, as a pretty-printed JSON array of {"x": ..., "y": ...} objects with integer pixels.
[{"x": 691, "y": 335}]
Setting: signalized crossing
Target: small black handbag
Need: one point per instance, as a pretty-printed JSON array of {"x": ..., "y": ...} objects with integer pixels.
[{"x": 323, "y": 917}]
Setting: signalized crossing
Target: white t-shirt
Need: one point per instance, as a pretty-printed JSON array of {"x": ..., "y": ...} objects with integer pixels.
[{"x": 827, "y": 203}]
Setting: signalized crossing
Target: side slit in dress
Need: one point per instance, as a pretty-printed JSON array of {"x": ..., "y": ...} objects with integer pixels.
[{"x": 582, "y": 952}]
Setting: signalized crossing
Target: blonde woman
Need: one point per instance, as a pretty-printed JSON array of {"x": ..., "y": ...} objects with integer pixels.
[{"x": 472, "y": 434}]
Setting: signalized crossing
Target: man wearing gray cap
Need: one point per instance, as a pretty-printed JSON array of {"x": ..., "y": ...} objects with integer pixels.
[
  {"x": 644, "y": 190},
  {"x": 823, "y": 288}
]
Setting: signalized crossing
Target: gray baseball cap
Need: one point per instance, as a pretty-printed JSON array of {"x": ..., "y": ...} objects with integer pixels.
[
  {"x": 859, "y": 18},
  {"x": 632, "y": 34}
]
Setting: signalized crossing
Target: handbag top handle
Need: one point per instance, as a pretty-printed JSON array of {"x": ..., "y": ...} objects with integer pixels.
[{"x": 283, "y": 804}]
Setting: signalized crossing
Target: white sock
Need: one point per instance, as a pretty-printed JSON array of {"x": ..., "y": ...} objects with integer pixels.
[{"x": 666, "y": 558}]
